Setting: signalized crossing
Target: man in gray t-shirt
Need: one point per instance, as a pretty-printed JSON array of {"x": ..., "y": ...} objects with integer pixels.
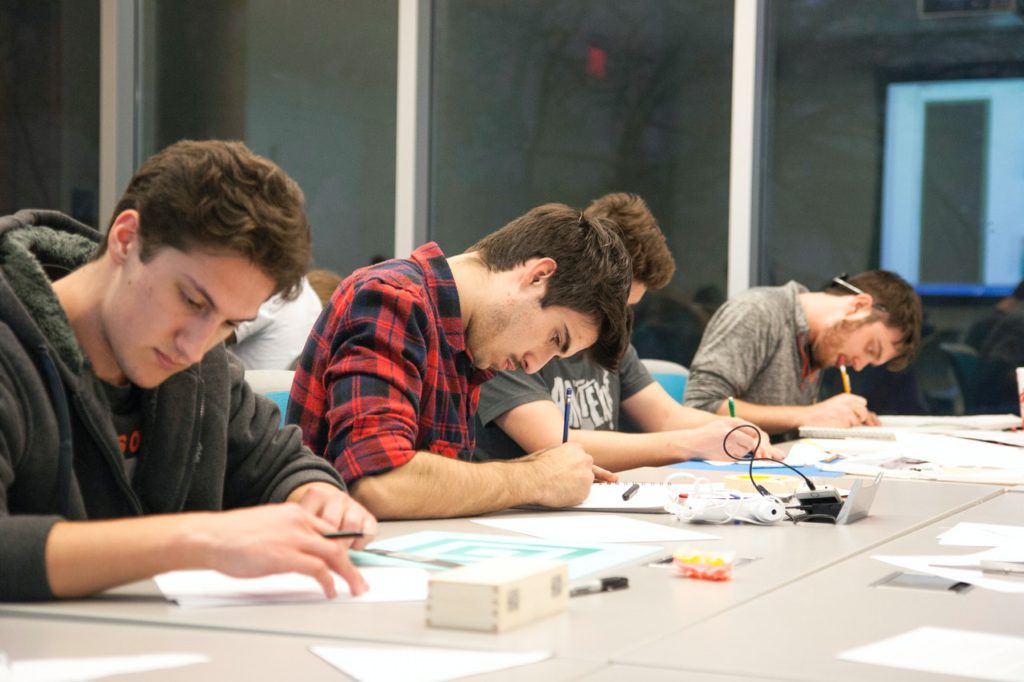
[
  {"x": 520, "y": 413},
  {"x": 766, "y": 346}
]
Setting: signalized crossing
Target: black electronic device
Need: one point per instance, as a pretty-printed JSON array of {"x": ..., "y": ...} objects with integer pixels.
[{"x": 820, "y": 505}]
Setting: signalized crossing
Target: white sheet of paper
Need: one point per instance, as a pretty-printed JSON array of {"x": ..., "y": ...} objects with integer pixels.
[
  {"x": 937, "y": 565},
  {"x": 419, "y": 664},
  {"x": 590, "y": 528},
  {"x": 94, "y": 667},
  {"x": 970, "y": 534},
  {"x": 978, "y": 655},
  {"x": 201, "y": 589},
  {"x": 992, "y": 422},
  {"x": 959, "y": 452}
]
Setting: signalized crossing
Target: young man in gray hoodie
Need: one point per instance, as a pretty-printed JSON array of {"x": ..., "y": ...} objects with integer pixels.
[{"x": 126, "y": 429}]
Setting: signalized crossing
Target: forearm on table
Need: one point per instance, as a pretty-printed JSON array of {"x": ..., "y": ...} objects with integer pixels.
[
  {"x": 86, "y": 557},
  {"x": 773, "y": 419},
  {"x": 434, "y": 486}
]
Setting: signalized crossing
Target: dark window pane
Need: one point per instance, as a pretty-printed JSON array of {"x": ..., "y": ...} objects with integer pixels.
[
  {"x": 49, "y": 106},
  {"x": 952, "y": 201},
  {"x": 537, "y": 101},
  {"x": 309, "y": 84}
]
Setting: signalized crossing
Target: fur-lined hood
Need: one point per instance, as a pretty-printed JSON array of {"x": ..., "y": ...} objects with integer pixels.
[{"x": 37, "y": 247}]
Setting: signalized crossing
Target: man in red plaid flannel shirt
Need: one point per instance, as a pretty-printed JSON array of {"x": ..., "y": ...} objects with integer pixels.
[{"x": 388, "y": 384}]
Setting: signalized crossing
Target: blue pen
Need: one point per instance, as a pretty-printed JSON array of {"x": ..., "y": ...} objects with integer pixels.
[{"x": 568, "y": 407}]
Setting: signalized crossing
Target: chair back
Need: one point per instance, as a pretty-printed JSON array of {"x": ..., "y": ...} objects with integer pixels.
[
  {"x": 275, "y": 384},
  {"x": 965, "y": 366},
  {"x": 671, "y": 375}
]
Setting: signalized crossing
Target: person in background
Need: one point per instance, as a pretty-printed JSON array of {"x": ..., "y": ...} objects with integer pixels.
[
  {"x": 766, "y": 346},
  {"x": 522, "y": 412},
  {"x": 324, "y": 282},
  {"x": 130, "y": 444},
  {"x": 387, "y": 386},
  {"x": 275, "y": 338}
]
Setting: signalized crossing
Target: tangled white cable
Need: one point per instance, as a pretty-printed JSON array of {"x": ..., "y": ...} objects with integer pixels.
[{"x": 707, "y": 505}]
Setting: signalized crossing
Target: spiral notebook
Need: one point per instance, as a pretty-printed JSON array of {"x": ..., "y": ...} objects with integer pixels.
[{"x": 650, "y": 498}]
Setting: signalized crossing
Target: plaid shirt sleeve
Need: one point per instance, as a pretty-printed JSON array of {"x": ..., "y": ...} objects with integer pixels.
[{"x": 357, "y": 388}]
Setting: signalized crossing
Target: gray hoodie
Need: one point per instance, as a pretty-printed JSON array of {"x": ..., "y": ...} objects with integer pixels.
[{"x": 211, "y": 443}]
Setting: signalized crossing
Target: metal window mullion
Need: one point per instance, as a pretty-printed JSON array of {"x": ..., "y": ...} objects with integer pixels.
[
  {"x": 412, "y": 126},
  {"x": 746, "y": 143},
  {"x": 117, "y": 102}
]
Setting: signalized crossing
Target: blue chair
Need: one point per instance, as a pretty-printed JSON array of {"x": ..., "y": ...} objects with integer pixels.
[
  {"x": 275, "y": 384},
  {"x": 671, "y": 375}
]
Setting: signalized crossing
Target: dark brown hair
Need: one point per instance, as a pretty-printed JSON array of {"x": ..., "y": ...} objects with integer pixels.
[
  {"x": 220, "y": 198},
  {"x": 593, "y": 273},
  {"x": 653, "y": 265},
  {"x": 896, "y": 304}
]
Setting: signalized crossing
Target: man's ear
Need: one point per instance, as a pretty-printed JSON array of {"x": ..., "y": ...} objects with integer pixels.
[
  {"x": 123, "y": 232},
  {"x": 537, "y": 271},
  {"x": 859, "y": 305}
]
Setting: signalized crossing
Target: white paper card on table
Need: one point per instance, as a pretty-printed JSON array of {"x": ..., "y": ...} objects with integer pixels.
[
  {"x": 978, "y": 655},
  {"x": 201, "y": 589},
  {"x": 940, "y": 565},
  {"x": 589, "y": 528},
  {"x": 94, "y": 667},
  {"x": 420, "y": 664},
  {"x": 971, "y": 534}
]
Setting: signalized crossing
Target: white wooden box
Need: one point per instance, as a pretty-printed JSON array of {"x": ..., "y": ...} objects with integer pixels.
[{"x": 497, "y": 594}]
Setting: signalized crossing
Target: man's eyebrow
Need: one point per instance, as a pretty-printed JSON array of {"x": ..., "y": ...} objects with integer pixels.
[
  {"x": 205, "y": 295},
  {"x": 567, "y": 339}
]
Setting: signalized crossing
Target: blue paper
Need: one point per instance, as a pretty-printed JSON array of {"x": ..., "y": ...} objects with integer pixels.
[
  {"x": 469, "y": 548},
  {"x": 743, "y": 467}
]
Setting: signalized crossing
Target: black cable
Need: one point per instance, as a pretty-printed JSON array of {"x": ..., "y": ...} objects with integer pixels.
[{"x": 749, "y": 457}]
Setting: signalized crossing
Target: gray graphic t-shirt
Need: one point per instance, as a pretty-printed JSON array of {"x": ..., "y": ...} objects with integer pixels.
[{"x": 597, "y": 394}]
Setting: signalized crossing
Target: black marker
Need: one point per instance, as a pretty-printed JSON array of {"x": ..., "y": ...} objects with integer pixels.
[
  {"x": 602, "y": 585},
  {"x": 630, "y": 492}
]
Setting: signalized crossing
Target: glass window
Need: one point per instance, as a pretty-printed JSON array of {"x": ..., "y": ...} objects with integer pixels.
[
  {"x": 537, "y": 101},
  {"x": 310, "y": 84},
  {"x": 893, "y": 139},
  {"x": 49, "y": 107}
]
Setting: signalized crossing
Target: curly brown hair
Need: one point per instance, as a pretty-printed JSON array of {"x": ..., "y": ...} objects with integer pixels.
[
  {"x": 653, "y": 265},
  {"x": 221, "y": 198}
]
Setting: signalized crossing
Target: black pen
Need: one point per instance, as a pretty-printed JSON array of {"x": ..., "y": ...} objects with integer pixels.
[
  {"x": 600, "y": 585},
  {"x": 630, "y": 491},
  {"x": 343, "y": 534}
]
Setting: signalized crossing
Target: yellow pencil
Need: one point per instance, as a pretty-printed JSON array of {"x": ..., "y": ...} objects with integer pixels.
[{"x": 846, "y": 377}]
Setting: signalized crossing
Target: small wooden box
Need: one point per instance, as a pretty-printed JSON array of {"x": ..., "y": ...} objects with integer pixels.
[{"x": 497, "y": 594}]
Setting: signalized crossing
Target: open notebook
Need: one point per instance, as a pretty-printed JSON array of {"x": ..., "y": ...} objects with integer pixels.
[{"x": 650, "y": 498}]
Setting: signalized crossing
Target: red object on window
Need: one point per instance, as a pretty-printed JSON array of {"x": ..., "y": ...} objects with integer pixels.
[{"x": 596, "y": 58}]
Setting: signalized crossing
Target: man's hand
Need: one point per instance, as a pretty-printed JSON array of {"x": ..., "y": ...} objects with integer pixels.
[
  {"x": 336, "y": 508},
  {"x": 709, "y": 441},
  {"x": 842, "y": 410},
  {"x": 278, "y": 538},
  {"x": 562, "y": 475}
]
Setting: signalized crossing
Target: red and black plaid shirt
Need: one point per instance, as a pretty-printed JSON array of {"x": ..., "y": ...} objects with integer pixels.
[{"x": 385, "y": 371}]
